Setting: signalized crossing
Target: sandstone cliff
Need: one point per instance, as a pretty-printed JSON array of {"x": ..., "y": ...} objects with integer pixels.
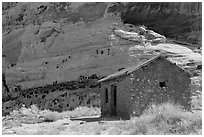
[{"x": 178, "y": 20}]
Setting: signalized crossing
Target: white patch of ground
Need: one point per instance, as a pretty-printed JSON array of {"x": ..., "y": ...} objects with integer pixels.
[{"x": 178, "y": 49}]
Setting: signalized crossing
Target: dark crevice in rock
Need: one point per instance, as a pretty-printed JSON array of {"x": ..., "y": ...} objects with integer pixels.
[{"x": 7, "y": 96}]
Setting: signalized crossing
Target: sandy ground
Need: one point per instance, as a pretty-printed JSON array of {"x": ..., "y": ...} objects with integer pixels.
[{"x": 75, "y": 126}]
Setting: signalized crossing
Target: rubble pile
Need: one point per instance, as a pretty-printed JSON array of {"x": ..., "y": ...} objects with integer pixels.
[{"x": 56, "y": 97}]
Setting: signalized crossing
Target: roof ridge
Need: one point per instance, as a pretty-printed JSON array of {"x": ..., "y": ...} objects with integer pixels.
[
  {"x": 131, "y": 69},
  {"x": 146, "y": 62}
]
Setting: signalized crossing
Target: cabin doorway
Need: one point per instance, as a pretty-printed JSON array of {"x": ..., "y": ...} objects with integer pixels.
[{"x": 113, "y": 99}]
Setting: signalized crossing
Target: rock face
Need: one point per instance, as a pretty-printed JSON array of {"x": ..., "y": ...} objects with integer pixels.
[
  {"x": 141, "y": 36},
  {"x": 177, "y": 20}
]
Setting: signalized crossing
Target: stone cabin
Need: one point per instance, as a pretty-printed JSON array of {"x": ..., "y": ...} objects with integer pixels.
[{"x": 130, "y": 91}]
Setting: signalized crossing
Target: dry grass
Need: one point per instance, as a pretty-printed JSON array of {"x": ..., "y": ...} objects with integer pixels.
[
  {"x": 163, "y": 119},
  {"x": 51, "y": 116},
  {"x": 83, "y": 111},
  {"x": 34, "y": 115},
  {"x": 39, "y": 132}
]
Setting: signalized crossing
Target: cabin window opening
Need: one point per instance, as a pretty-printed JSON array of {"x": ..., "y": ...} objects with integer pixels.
[
  {"x": 101, "y": 51},
  {"x": 96, "y": 51},
  {"x": 106, "y": 95},
  {"x": 162, "y": 84}
]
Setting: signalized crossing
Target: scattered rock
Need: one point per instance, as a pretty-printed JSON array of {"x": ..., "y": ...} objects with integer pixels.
[
  {"x": 190, "y": 64},
  {"x": 199, "y": 67},
  {"x": 101, "y": 122},
  {"x": 197, "y": 73},
  {"x": 83, "y": 122},
  {"x": 65, "y": 124}
]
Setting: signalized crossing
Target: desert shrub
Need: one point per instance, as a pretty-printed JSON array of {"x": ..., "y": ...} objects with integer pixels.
[
  {"x": 24, "y": 115},
  {"x": 168, "y": 118},
  {"x": 51, "y": 116},
  {"x": 162, "y": 119},
  {"x": 34, "y": 115}
]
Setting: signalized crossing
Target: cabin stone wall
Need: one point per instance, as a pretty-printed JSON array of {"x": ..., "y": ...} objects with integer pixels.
[
  {"x": 105, "y": 99},
  {"x": 122, "y": 97},
  {"x": 158, "y": 82}
]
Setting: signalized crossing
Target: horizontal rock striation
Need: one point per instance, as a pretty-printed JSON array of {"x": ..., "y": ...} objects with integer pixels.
[{"x": 177, "y": 20}]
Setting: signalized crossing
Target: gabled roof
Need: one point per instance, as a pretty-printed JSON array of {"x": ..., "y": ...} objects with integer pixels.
[{"x": 131, "y": 69}]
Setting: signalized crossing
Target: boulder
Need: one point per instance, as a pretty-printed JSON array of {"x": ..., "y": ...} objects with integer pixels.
[
  {"x": 140, "y": 34},
  {"x": 199, "y": 67}
]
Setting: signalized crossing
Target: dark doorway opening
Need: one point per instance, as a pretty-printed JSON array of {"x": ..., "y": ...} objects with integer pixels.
[
  {"x": 113, "y": 99},
  {"x": 106, "y": 95}
]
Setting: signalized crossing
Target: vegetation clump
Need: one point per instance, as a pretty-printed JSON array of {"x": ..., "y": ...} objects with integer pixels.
[{"x": 163, "y": 119}]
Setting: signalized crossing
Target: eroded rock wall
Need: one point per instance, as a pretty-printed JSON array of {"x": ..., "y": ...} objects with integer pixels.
[{"x": 177, "y": 20}]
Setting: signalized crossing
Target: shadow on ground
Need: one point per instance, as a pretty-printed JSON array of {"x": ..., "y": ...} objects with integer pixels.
[{"x": 96, "y": 119}]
